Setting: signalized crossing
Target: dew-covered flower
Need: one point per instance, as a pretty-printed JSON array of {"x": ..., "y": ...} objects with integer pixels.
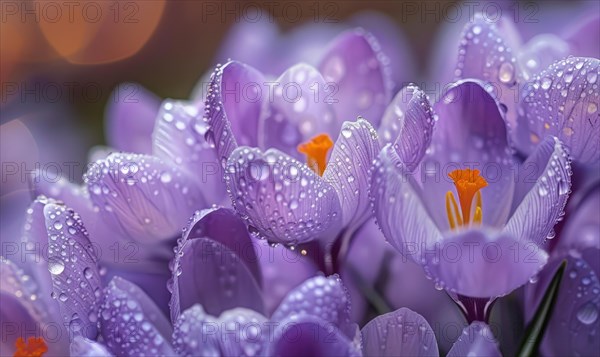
[
  {"x": 464, "y": 209},
  {"x": 543, "y": 92},
  {"x": 261, "y": 139},
  {"x": 406, "y": 333}
]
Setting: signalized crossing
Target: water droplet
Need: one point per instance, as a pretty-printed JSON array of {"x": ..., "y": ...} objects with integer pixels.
[
  {"x": 477, "y": 29},
  {"x": 166, "y": 177},
  {"x": 591, "y": 77},
  {"x": 350, "y": 178},
  {"x": 546, "y": 83},
  {"x": 55, "y": 265},
  {"x": 87, "y": 272},
  {"x": 588, "y": 313},
  {"x": 506, "y": 72},
  {"x": 592, "y": 108},
  {"x": 346, "y": 133}
]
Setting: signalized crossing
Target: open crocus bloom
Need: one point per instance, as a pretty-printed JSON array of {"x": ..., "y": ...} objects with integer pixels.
[
  {"x": 463, "y": 214},
  {"x": 280, "y": 197},
  {"x": 545, "y": 93}
]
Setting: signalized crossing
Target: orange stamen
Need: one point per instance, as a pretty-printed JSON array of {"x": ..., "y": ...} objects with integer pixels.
[
  {"x": 468, "y": 183},
  {"x": 316, "y": 152},
  {"x": 34, "y": 347}
]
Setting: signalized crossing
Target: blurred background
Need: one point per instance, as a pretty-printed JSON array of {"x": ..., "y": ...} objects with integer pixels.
[{"x": 61, "y": 60}]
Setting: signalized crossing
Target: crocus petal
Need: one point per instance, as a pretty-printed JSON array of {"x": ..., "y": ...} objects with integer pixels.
[
  {"x": 582, "y": 228},
  {"x": 482, "y": 264},
  {"x": 209, "y": 273},
  {"x": 75, "y": 276},
  {"x": 354, "y": 66},
  {"x": 130, "y": 118},
  {"x": 310, "y": 336},
  {"x": 194, "y": 260},
  {"x": 232, "y": 108},
  {"x": 299, "y": 108},
  {"x": 471, "y": 133},
  {"x": 178, "y": 138},
  {"x": 281, "y": 198},
  {"x": 485, "y": 54},
  {"x": 277, "y": 277},
  {"x": 408, "y": 123},
  {"x": 584, "y": 36},
  {"x": 18, "y": 152},
  {"x": 573, "y": 325},
  {"x": 563, "y": 101},
  {"x": 349, "y": 169},
  {"x": 398, "y": 206},
  {"x": 131, "y": 324},
  {"x": 142, "y": 195},
  {"x": 399, "y": 333},
  {"x": 540, "y": 52},
  {"x": 83, "y": 347},
  {"x": 324, "y": 297},
  {"x": 476, "y": 340},
  {"x": 542, "y": 192},
  {"x": 237, "y": 332}
]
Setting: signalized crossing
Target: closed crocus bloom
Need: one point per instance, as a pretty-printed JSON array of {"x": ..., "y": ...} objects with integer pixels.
[
  {"x": 469, "y": 226},
  {"x": 262, "y": 139},
  {"x": 57, "y": 297}
]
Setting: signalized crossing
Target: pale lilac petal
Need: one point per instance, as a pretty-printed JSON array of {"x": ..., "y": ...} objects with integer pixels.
[
  {"x": 73, "y": 266},
  {"x": 584, "y": 36},
  {"x": 237, "y": 332},
  {"x": 485, "y": 53},
  {"x": 233, "y": 107},
  {"x": 83, "y": 347},
  {"x": 18, "y": 152},
  {"x": 282, "y": 270},
  {"x": 481, "y": 264},
  {"x": 209, "y": 273},
  {"x": 470, "y": 133},
  {"x": 142, "y": 196},
  {"x": 540, "y": 52},
  {"x": 130, "y": 322},
  {"x": 299, "y": 108},
  {"x": 476, "y": 340},
  {"x": 399, "y": 208},
  {"x": 574, "y": 322},
  {"x": 178, "y": 138},
  {"x": 354, "y": 65},
  {"x": 130, "y": 118},
  {"x": 582, "y": 228},
  {"x": 542, "y": 192},
  {"x": 310, "y": 336},
  {"x": 324, "y": 297},
  {"x": 399, "y": 333},
  {"x": 563, "y": 101},
  {"x": 280, "y": 198},
  {"x": 408, "y": 124},
  {"x": 349, "y": 169}
]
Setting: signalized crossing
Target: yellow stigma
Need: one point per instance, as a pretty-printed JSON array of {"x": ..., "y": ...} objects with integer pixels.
[
  {"x": 468, "y": 184},
  {"x": 316, "y": 150}
]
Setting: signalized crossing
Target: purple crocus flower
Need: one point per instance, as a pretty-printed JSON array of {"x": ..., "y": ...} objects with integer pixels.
[
  {"x": 418, "y": 214},
  {"x": 544, "y": 94},
  {"x": 282, "y": 199},
  {"x": 574, "y": 321},
  {"x": 406, "y": 333}
]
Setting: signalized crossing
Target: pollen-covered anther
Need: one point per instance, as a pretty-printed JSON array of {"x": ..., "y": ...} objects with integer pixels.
[
  {"x": 468, "y": 184},
  {"x": 316, "y": 150},
  {"x": 34, "y": 347}
]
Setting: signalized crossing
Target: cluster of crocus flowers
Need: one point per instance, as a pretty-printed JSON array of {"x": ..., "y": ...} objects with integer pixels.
[{"x": 444, "y": 181}]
